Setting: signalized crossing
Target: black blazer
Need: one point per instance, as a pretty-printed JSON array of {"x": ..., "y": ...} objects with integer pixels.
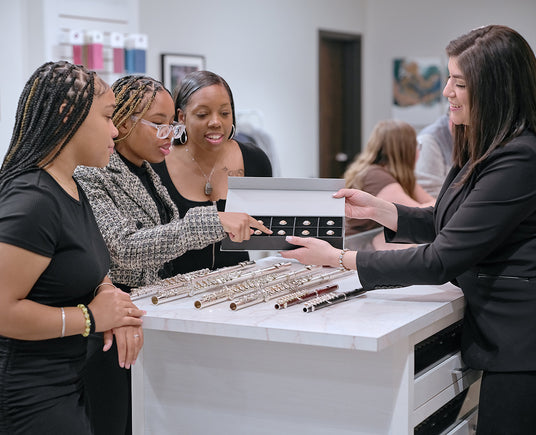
[{"x": 482, "y": 237}]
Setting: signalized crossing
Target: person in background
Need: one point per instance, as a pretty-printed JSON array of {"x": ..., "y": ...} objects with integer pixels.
[
  {"x": 195, "y": 171},
  {"x": 481, "y": 235},
  {"x": 385, "y": 169},
  {"x": 435, "y": 157},
  {"x": 54, "y": 288},
  {"x": 141, "y": 226}
]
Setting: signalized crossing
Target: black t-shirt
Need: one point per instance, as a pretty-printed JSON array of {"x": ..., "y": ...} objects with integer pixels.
[{"x": 36, "y": 214}]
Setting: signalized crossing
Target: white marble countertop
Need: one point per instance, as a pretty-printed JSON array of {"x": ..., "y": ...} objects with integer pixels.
[{"x": 369, "y": 322}]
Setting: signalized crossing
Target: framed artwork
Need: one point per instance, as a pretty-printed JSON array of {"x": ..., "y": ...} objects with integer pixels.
[
  {"x": 176, "y": 66},
  {"x": 417, "y": 90}
]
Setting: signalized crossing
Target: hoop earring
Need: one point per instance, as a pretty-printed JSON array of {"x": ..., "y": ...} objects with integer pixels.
[
  {"x": 183, "y": 138},
  {"x": 233, "y": 132}
]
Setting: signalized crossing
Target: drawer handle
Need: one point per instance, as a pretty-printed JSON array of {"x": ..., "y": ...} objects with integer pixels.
[{"x": 460, "y": 371}]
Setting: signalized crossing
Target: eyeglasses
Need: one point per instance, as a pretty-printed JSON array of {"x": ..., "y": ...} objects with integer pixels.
[{"x": 163, "y": 130}]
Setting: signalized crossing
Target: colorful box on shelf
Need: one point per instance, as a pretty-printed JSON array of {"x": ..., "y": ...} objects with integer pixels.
[
  {"x": 301, "y": 207},
  {"x": 136, "y": 45}
]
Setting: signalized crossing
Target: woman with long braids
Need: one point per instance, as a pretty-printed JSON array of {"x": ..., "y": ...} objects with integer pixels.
[
  {"x": 140, "y": 224},
  {"x": 54, "y": 289}
]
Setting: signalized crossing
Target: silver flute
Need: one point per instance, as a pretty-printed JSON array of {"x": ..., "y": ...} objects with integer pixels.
[
  {"x": 206, "y": 284},
  {"x": 229, "y": 292},
  {"x": 331, "y": 299},
  {"x": 278, "y": 290},
  {"x": 174, "y": 281},
  {"x": 180, "y": 281},
  {"x": 305, "y": 294}
]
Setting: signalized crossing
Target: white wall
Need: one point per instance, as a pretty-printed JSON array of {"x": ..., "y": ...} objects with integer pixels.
[
  {"x": 423, "y": 28},
  {"x": 268, "y": 53},
  {"x": 30, "y": 33},
  {"x": 266, "y": 50},
  {"x": 12, "y": 69}
]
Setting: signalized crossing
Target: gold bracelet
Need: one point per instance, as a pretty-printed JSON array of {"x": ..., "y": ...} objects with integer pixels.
[
  {"x": 341, "y": 255},
  {"x": 88, "y": 321}
]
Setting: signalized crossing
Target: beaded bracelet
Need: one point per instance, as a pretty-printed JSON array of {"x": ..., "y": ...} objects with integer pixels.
[
  {"x": 341, "y": 255},
  {"x": 88, "y": 320},
  {"x": 92, "y": 320}
]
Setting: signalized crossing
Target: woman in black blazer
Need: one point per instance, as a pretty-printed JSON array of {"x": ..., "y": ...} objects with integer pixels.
[{"x": 481, "y": 235}]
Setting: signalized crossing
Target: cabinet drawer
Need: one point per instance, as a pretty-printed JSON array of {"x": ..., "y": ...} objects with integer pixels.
[
  {"x": 466, "y": 388},
  {"x": 433, "y": 381},
  {"x": 466, "y": 427}
]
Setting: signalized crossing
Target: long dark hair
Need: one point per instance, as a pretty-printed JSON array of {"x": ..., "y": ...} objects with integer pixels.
[
  {"x": 499, "y": 69},
  {"x": 194, "y": 81},
  {"x": 54, "y": 103}
]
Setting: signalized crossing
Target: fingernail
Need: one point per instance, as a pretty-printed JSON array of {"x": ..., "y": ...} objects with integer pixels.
[
  {"x": 288, "y": 238},
  {"x": 122, "y": 364}
]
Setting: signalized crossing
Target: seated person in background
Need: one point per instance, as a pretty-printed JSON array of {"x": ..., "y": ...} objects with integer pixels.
[
  {"x": 435, "y": 157},
  {"x": 195, "y": 171},
  {"x": 385, "y": 169}
]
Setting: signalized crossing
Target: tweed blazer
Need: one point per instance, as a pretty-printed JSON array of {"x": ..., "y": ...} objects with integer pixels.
[{"x": 128, "y": 219}]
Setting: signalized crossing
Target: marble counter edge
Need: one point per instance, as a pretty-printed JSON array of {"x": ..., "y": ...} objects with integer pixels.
[{"x": 272, "y": 333}]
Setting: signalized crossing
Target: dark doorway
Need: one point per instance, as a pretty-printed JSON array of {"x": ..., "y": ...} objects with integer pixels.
[{"x": 339, "y": 88}]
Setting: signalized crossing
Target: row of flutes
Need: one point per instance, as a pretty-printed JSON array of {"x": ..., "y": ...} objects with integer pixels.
[
  {"x": 246, "y": 278},
  {"x": 230, "y": 292},
  {"x": 274, "y": 291},
  {"x": 244, "y": 285},
  {"x": 197, "y": 278}
]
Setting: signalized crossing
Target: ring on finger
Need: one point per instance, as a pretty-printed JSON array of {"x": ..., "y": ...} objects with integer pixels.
[{"x": 136, "y": 336}]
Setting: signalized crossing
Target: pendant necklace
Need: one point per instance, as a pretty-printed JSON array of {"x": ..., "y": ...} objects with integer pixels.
[{"x": 208, "y": 186}]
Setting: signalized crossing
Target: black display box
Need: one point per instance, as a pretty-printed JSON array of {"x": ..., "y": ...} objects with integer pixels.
[{"x": 303, "y": 207}]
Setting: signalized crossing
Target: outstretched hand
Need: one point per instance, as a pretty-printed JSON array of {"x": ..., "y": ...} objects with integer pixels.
[
  {"x": 358, "y": 204},
  {"x": 240, "y": 226},
  {"x": 312, "y": 251},
  {"x": 362, "y": 205}
]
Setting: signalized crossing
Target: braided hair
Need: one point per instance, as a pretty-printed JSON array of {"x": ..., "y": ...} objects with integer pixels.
[
  {"x": 54, "y": 103},
  {"x": 134, "y": 95}
]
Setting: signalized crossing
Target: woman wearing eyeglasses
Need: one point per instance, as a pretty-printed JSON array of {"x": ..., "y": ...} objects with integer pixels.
[{"x": 140, "y": 224}]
